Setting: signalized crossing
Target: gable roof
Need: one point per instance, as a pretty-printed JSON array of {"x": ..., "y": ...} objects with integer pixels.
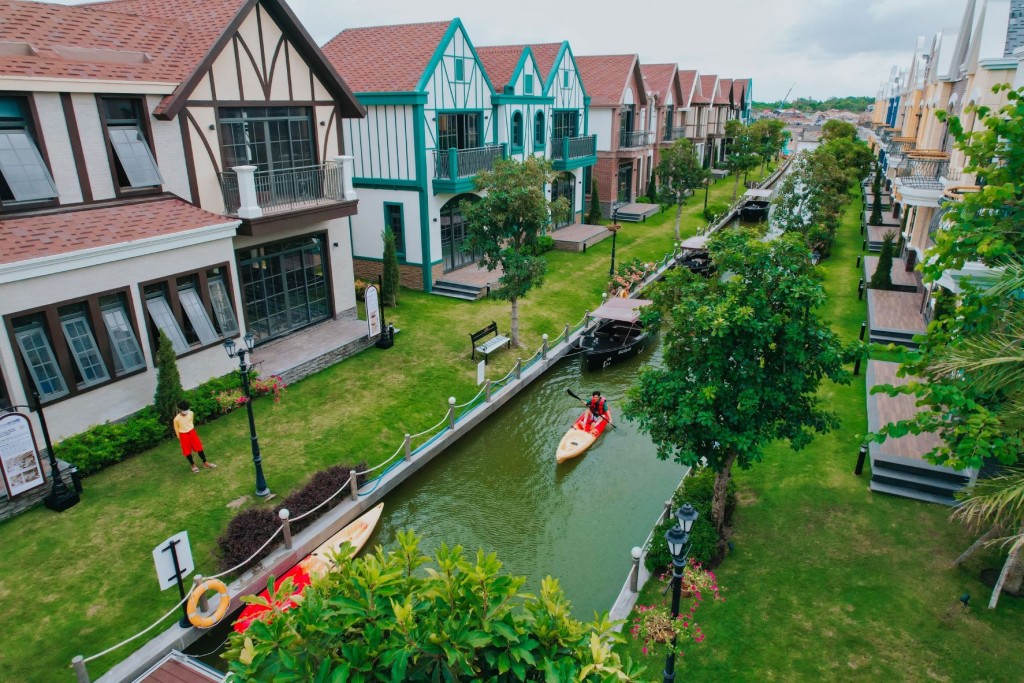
[
  {"x": 706, "y": 90},
  {"x": 168, "y": 41},
  {"x": 724, "y": 92},
  {"x": 606, "y": 76},
  {"x": 687, "y": 81},
  {"x": 501, "y": 62},
  {"x": 659, "y": 78},
  {"x": 546, "y": 55},
  {"x": 386, "y": 58}
]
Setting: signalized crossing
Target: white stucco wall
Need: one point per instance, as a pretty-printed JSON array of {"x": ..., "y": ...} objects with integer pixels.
[
  {"x": 601, "y": 122},
  {"x": 369, "y": 222},
  {"x": 58, "y": 147}
]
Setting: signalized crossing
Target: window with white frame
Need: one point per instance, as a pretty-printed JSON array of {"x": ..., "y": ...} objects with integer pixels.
[
  {"x": 24, "y": 176},
  {"x": 134, "y": 164},
  {"x": 194, "y": 310},
  {"x": 37, "y": 352},
  {"x": 123, "y": 343}
]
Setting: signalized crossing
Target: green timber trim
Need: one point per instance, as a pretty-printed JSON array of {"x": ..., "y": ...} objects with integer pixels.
[
  {"x": 420, "y": 142},
  {"x": 386, "y": 184},
  {"x": 458, "y": 186},
  {"x": 382, "y": 98},
  {"x": 374, "y": 259},
  {"x": 439, "y": 55},
  {"x": 586, "y": 113},
  {"x": 522, "y": 99},
  {"x": 573, "y": 164}
]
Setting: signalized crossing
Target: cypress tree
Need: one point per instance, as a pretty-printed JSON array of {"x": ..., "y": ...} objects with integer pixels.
[
  {"x": 391, "y": 278},
  {"x": 876, "y": 205},
  {"x": 594, "y": 217},
  {"x": 882, "y": 279},
  {"x": 168, "y": 381},
  {"x": 652, "y": 190}
]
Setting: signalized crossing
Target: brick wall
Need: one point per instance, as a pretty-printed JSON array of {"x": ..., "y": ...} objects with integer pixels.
[{"x": 409, "y": 276}]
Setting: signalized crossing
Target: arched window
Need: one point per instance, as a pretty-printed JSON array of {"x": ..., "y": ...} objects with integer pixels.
[
  {"x": 517, "y": 130},
  {"x": 538, "y": 131}
]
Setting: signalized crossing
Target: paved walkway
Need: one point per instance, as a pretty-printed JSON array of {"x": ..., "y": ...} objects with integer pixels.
[
  {"x": 281, "y": 355},
  {"x": 579, "y": 236},
  {"x": 473, "y": 275}
]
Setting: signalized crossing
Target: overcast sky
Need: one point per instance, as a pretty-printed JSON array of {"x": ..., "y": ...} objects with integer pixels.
[{"x": 825, "y": 47}]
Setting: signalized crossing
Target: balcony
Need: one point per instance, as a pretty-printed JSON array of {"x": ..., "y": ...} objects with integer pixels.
[
  {"x": 455, "y": 169},
  {"x": 261, "y": 198},
  {"x": 925, "y": 171},
  {"x": 572, "y": 153},
  {"x": 673, "y": 134},
  {"x": 635, "y": 138}
]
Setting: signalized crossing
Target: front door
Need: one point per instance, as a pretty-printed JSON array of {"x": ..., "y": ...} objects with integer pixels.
[
  {"x": 454, "y": 234},
  {"x": 564, "y": 186},
  {"x": 625, "y": 183}
]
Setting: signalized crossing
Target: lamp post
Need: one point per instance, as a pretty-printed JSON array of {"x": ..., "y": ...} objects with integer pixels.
[
  {"x": 243, "y": 368},
  {"x": 614, "y": 227},
  {"x": 707, "y": 185},
  {"x": 678, "y": 538}
]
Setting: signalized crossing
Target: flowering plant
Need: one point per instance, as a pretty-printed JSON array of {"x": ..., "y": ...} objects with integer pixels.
[
  {"x": 654, "y": 627},
  {"x": 628, "y": 274},
  {"x": 258, "y": 386},
  {"x": 697, "y": 582}
]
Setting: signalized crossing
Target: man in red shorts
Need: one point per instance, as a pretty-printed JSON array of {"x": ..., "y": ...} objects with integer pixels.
[{"x": 184, "y": 428}]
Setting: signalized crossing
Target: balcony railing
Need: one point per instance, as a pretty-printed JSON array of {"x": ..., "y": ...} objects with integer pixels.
[
  {"x": 675, "y": 133},
  {"x": 248, "y": 192},
  {"x": 636, "y": 138},
  {"x": 563, "y": 149},
  {"x": 454, "y": 163},
  {"x": 925, "y": 174}
]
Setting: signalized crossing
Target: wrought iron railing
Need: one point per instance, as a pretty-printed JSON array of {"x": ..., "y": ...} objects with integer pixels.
[
  {"x": 636, "y": 138},
  {"x": 563, "y": 149},
  {"x": 290, "y": 188},
  {"x": 926, "y": 174},
  {"x": 675, "y": 133},
  {"x": 464, "y": 163}
]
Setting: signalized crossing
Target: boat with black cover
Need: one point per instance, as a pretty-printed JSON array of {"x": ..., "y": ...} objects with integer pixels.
[{"x": 618, "y": 335}]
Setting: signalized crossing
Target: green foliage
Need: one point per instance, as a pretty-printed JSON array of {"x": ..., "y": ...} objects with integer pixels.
[
  {"x": 398, "y": 616},
  {"x": 715, "y": 210},
  {"x": 769, "y": 138},
  {"x": 811, "y": 198},
  {"x": 853, "y": 156},
  {"x": 679, "y": 171},
  {"x": 652, "y": 191},
  {"x": 966, "y": 370},
  {"x": 505, "y": 224},
  {"x": 545, "y": 243},
  {"x": 698, "y": 489},
  {"x": 876, "y": 197},
  {"x": 882, "y": 277},
  {"x": 168, "y": 381},
  {"x": 391, "y": 278},
  {"x": 834, "y": 130},
  {"x": 744, "y": 151},
  {"x": 594, "y": 215},
  {"x": 744, "y": 358},
  {"x": 809, "y": 104}
]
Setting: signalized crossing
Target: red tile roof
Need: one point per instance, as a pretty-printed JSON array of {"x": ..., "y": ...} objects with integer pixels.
[
  {"x": 739, "y": 90},
  {"x": 687, "y": 79},
  {"x": 500, "y": 62},
  {"x": 66, "y": 230},
  {"x": 545, "y": 54},
  {"x": 659, "y": 78},
  {"x": 605, "y": 78},
  {"x": 724, "y": 90},
  {"x": 707, "y": 90},
  {"x": 385, "y": 58}
]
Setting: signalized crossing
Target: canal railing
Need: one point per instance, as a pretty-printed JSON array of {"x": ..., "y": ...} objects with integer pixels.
[{"x": 351, "y": 499}]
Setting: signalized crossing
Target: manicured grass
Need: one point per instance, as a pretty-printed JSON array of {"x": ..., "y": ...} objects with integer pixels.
[
  {"x": 829, "y": 581},
  {"x": 81, "y": 581}
]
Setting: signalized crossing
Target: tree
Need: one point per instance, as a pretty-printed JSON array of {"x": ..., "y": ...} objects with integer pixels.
[
  {"x": 398, "y": 616},
  {"x": 876, "y": 202},
  {"x": 882, "y": 277},
  {"x": 392, "y": 277},
  {"x": 743, "y": 151},
  {"x": 852, "y": 155},
  {"x": 680, "y": 173},
  {"x": 505, "y": 223},
  {"x": 769, "y": 138},
  {"x": 834, "y": 129},
  {"x": 810, "y": 199},
  {"x": 652, "y": 190},
  {"x": 744, "y": 358},
  {"x": 594, "y": 217},
  {"x": 168, "y": 380}
]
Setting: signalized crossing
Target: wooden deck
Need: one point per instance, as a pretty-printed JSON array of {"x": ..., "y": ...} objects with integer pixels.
[
  {"x": 895, "y": 312},
  {"x": 883, "y": 409},
  {"x": 634, "y": 213},
  {"x": 906, "y": 281},
  {"x": 178, "y": 668},
  {"x": 579, "y": 236},
  {"x": 887, "y": 221},
  {"x": 876, "y": 233},
  {"x": 312, "y": 349}
]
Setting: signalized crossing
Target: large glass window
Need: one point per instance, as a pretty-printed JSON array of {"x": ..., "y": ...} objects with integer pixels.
[
  {"x": 194, "y": 309},
  {"x": 126, "y": 351},
  {"x": 269, "y": 138},
  {"x": 454, "y": 233},
  {"x": 460, "y": 131},
  {"x": 626, "y": 116},
  {"x": 517, "y": 130},
  {"x": 538, "y": 130},
  {"x": 82, "y": 344},
  {"x": 133, "y": 159},
  {"x": 284, "y": 285},
  {"x": 394, "y": 220},
  {"x": 564, "y": 124},
  {"x": 38, "y": 356},
  {"x": 669, "y": 116},
  {"x": 24, "y": 176}
]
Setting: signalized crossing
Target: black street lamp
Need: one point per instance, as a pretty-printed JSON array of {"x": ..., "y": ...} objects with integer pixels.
[
  {"x": 678, "y": 538},
  {"x": 61, "y": 497},
  {"x": 614, "y": 227},
  {"x": 243, "y": 368}
]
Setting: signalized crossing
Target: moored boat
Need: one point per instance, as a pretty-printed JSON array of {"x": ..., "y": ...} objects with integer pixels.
[
  {"x": 577, "y": 439},
  {"x": 756, "y": 204},
  {"x": 619, "y": 335}
]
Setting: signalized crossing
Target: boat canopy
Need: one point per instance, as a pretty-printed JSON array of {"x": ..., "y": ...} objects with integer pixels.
[
  {"x": 757, "y": 193},
  {"x": 696, "y": 242},
  {"x": 625, "y": 310}
]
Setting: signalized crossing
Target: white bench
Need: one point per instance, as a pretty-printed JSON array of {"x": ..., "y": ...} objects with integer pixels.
[{"x": 490, "y": 345}]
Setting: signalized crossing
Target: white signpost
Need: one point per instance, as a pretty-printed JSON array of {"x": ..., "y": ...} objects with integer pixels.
[
  {"x": 173, "y": 560},
  {"x": 19, "y": 459},
  {"x": 372, "y": 311},
  {"x": 481, "y": 369}
]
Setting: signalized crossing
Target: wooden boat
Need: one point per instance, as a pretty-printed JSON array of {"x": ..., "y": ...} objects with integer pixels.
[
  {"x": 316, "y": 564},
  {"x": 756, "y": 204},
  {"x": 577, "y": 439},
  {"x": 619, "y": 334}
]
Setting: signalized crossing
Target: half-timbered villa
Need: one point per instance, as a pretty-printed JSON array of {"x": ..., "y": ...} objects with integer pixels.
[
  {"x": 667, "y": 103},
  {"x": 166, "y": 166},
  {"x": 704, "y": 113},
  {"x": 620, "y": 117}
]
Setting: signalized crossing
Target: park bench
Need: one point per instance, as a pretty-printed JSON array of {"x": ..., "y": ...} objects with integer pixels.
[{"x": 491, "y": 344}]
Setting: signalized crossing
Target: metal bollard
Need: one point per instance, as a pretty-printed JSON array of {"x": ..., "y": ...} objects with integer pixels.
[
  {"x": 78, "y": 664},
  {"x": 858, "y": 261},
  {"x": 286, "y": 526},
  {"x": 204, "y": 604},
  {"x": 860, "y": 289},
  {"x": 856, "y": 367},
  {"x": 634, "y": 574},
  {"x": 519, "y": 368},
  {"x": 864, "y": 245},
  {"x": 487, "y": 391},
  {"x": 861, "y": 456},
  {"x": 451, "y": 412},
  {"x": 863, "y": 328},
  {"x": 408, "y": 447},
  {"x": 353, "y": 484},
  {"x": 668, "y": 510},
  {"x": 544, "y": 347},
  {"x": 565, "y": 335}
]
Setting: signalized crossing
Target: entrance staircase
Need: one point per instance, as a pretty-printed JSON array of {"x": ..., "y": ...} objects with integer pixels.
[
  {"x": 915, "y": 479},
  {"x": 634, "y": 213},
  {"x": 457, "y": 290}
]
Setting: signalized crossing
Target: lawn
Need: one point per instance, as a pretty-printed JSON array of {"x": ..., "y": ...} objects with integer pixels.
[
  {"x": 95, "y": 560},
  {"x": 828, "y": 581}
]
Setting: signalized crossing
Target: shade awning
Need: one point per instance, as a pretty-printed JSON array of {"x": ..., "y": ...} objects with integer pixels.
[
  {"x": 696, "y": 242},
  {"x": 625, "y": 310},
  {"x": 756, "y": 193}
]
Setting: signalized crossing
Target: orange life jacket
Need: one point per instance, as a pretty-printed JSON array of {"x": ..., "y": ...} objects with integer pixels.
[{"x": 597, "y": 405}]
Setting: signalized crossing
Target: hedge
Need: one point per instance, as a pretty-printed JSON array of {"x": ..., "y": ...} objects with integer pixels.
[{"x": 698, "y": 490}]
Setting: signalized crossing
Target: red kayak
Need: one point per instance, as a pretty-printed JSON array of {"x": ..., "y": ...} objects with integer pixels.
[{"x": 578, "y": 439}]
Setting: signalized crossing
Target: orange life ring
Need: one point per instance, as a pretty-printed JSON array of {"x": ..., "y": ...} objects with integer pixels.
[{"x": 200, "y": 620}]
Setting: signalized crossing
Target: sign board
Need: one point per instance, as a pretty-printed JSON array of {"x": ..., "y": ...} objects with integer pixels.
[
  {"x": 372, "y": 311},
  {"x": 19, "y": 458},
  {"x": 481, "y": 368},
  {"x": 164, "y": 561}
]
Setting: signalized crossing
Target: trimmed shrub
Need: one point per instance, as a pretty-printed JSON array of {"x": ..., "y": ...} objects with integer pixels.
[
  {"x": 545, "y": 243},
  {"x": 715, "y": 210},
  {"x": 652, "y": 191},
  {"x": 594, "y": 216},
  {"x": 319, "y": 488},
  {"x": 698, "y": 490},
  {"x": 882, "y": 277},
  {"x": 246, "y": 532},
  {"x": 392, "y": 276},
  {"x": 168, "y": 381}
]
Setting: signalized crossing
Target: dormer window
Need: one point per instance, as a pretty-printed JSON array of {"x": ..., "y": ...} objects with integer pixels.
[
  {"x": 134, "y": 165},
  {"x": 24, "y": 176}
]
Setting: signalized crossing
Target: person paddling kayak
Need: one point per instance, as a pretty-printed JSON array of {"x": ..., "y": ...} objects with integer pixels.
[{"x": 598, "y": 410}]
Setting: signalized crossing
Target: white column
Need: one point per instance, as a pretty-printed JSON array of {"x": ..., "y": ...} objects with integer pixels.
[
  {"x": 248, "y": 207},
  {"x": 347, "y": 163}
]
